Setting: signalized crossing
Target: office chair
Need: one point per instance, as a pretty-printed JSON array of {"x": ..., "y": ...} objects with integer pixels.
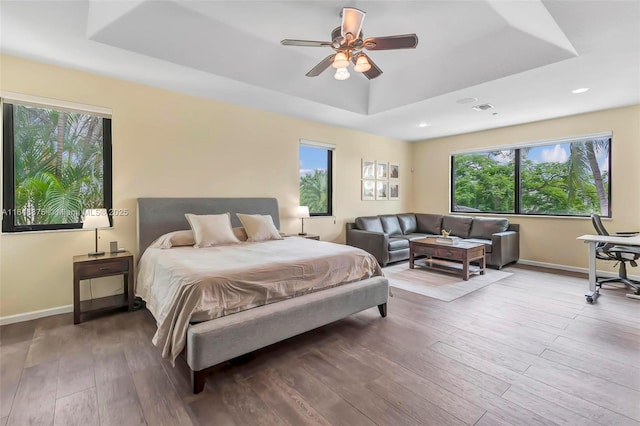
[{"x": 617, "y": 253}]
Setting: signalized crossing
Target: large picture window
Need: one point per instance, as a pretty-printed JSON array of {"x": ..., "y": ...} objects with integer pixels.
[
  {"x": 56, "y": 164},
  {"x": 560, "y": 178},
  {"x": 316, "y": 183}
]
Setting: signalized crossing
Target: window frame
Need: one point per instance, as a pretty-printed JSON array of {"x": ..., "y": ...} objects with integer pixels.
[
  {"x": 517, "y": 210},
  {"x": 330, "y": 149},
  {"x": 8, "y": 167}
]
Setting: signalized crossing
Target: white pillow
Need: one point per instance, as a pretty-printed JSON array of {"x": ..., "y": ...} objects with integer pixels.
[
  {"x": 174, "y": 239},
  {"x": 212, "y": 229},
  {"x": 259, "y": 227}
]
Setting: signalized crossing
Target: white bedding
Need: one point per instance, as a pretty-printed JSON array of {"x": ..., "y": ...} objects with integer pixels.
[{"x": 185, "y": 284}]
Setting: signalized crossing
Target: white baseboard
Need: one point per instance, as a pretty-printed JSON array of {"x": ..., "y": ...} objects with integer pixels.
[
  {"x": 573, "y": 269},
  {"x": 27, "y": 316}
]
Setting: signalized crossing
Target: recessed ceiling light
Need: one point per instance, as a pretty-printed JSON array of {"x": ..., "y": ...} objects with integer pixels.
[
  {"x": 580, "y": 90},
  {"x": 423, "y": 124},
  {"x": 466, "y": 100},
  {"x": 482, "y": 107}
]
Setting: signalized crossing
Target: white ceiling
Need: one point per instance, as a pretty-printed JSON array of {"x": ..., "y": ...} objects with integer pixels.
[{"x": 523, "y": 57}]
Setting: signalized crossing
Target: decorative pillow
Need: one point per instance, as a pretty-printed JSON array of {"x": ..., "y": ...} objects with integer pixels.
[
  {"x": 240, "y": 233},
  {"x": 211, "y": 230},
  {"x": 174, "y": 239},
  {"x": 259, "y": 227}
]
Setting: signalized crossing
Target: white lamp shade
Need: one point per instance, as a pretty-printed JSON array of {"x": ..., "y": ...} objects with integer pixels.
[
  {"x": 341, "y": 60},
  {"x": 303, "y": 211},
  {"x": 341, "y": 74},
  {"x": 95, "y": 218},
  {"x": 362, "y": 64}
]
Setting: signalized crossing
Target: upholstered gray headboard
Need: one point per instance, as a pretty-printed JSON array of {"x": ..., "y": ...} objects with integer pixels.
[{"x": 157, "y": 216}]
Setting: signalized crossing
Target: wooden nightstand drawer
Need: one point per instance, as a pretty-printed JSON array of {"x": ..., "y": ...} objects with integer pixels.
[{"x": 91, "y": 270}]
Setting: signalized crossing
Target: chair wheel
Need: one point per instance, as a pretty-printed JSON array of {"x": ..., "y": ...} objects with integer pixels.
[{"x": 589, "y": 299}]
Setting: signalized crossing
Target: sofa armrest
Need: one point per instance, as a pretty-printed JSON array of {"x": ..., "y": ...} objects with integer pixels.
[
  {"x": 376, "y": 243},
  {"x": 505, "y": 248}
]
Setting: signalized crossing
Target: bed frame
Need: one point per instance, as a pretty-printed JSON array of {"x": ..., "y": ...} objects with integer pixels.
[{"x": 213, "y": 342}]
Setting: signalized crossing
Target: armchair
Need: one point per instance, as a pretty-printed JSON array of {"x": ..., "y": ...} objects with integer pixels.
[{"x": 617, "y": 253}]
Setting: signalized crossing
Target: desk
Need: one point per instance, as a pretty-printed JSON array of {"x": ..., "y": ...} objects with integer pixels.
[{"x": 593, "y": 240}]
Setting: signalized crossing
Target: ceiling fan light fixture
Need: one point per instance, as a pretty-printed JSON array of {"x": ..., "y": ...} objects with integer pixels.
[
  {"x": 340, "y": 61},
  {"x": 362, "y": 64},
  {"x": 342, "y": 74}
]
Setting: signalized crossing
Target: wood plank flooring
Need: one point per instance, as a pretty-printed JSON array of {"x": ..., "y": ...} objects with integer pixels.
[{"x": 526, "y": 350}]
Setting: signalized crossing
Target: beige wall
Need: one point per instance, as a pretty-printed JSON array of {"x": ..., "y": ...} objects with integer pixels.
[
  {"x": 545, "y": 239},
  {"x": 170, "y": 144}
]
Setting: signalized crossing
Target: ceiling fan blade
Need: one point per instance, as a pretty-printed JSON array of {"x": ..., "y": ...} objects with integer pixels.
[
  {"x": 373, "y": 72},
  {"x": 352, "y": 19},
  {"x": 323, "y": 65},
  {"x": 306, "y": 43},
  {"x": 405, "y": 41}
]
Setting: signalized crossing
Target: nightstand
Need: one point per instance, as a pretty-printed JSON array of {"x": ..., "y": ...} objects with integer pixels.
[{"x": 86, "y": 267}]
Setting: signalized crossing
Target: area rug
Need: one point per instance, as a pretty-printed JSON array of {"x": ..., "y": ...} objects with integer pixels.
[{"x": 439, "y": 285}]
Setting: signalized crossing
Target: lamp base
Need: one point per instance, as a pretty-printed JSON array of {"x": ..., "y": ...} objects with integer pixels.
[
  {"x": 96, "y": 253},
  {"x": 302, "y": 233}
]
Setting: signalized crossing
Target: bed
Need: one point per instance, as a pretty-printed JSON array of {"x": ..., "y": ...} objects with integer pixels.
[{"x": 208, "y": 337}]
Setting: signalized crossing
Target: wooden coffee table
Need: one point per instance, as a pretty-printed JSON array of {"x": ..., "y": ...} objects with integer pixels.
[{"x": 449, "y": 257}]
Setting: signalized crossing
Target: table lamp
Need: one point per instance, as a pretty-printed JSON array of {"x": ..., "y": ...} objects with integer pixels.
[
  {"x": 303, "y": 212},
  {"x": 96, "y": 219}
]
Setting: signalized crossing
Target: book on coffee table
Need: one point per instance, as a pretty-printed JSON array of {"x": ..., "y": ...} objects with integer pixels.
[{"x": 447, "y": 240}]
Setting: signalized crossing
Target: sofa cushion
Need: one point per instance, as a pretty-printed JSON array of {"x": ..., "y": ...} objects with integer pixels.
[
  {"x": 484, "y": 227},
  {"x": 487, "y": 243},
  {"x": 408, "y": 223},
  {"x": 398, "y": 243},
  {"x": 390, "y": 224},
  {"x": 460, "y": 226},
  {"x": 369, "y": 223},
  {"x": 429, "y": 223}
]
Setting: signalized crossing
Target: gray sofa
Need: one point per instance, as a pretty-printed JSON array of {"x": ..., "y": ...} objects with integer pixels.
[{"x": 387, "y": 236}]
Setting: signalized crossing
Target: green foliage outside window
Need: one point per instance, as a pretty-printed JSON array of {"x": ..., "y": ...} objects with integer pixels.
[
  {"x": 58, "y": 165},
  {"x": 314, "y": 192},
  {"x": 566, "y": 178}
]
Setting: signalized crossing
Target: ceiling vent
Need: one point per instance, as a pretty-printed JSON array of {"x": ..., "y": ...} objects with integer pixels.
[{"x": 482, "y": 107}]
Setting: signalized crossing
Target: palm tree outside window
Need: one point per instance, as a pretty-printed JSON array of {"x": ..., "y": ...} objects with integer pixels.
[
  {"x": 569, "y": 177},
  {"x": 56, "y": 164},
  {"x": 315, "y": 177}
]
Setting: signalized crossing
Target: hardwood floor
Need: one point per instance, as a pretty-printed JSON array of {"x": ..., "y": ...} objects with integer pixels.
[{"x": 526, "y": 350}]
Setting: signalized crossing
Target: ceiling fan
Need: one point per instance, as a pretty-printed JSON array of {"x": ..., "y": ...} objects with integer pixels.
[{"x": 347, "y": 40}]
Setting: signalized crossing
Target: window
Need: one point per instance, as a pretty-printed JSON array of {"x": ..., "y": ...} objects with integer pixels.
[
  {"x": 316, "y": 183},
  {"x": 560, "y": 178},
  {"x": 56, "y": 163}
]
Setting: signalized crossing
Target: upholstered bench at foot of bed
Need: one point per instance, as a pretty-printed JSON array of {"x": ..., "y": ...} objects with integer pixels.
[{"x": 212, "y": 342}]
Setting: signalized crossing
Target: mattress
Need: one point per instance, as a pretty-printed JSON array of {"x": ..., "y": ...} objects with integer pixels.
[{"x": 183, "y": 285}]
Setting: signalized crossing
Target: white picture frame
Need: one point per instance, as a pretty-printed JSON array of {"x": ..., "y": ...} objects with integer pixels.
[
  {"x": 368, "y": 190},
  {"x": 382, "y": 170},
  {"x": 394, "y": 191},
  {"x": 394, "y": 171},
  {"x": 382, "y": 190},
  {"x": 368, "y": 169}
]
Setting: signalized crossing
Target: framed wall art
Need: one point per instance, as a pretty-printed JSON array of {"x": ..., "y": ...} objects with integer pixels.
[
  {"x": 368, "y": 169},
  {"x": 382, "y": 170},
  {"x": 394, "y": 171},
  {"x": 368, "y": 189},
  {"x": 382, "y": 190},
  {"x": 394, "y": 191}
]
